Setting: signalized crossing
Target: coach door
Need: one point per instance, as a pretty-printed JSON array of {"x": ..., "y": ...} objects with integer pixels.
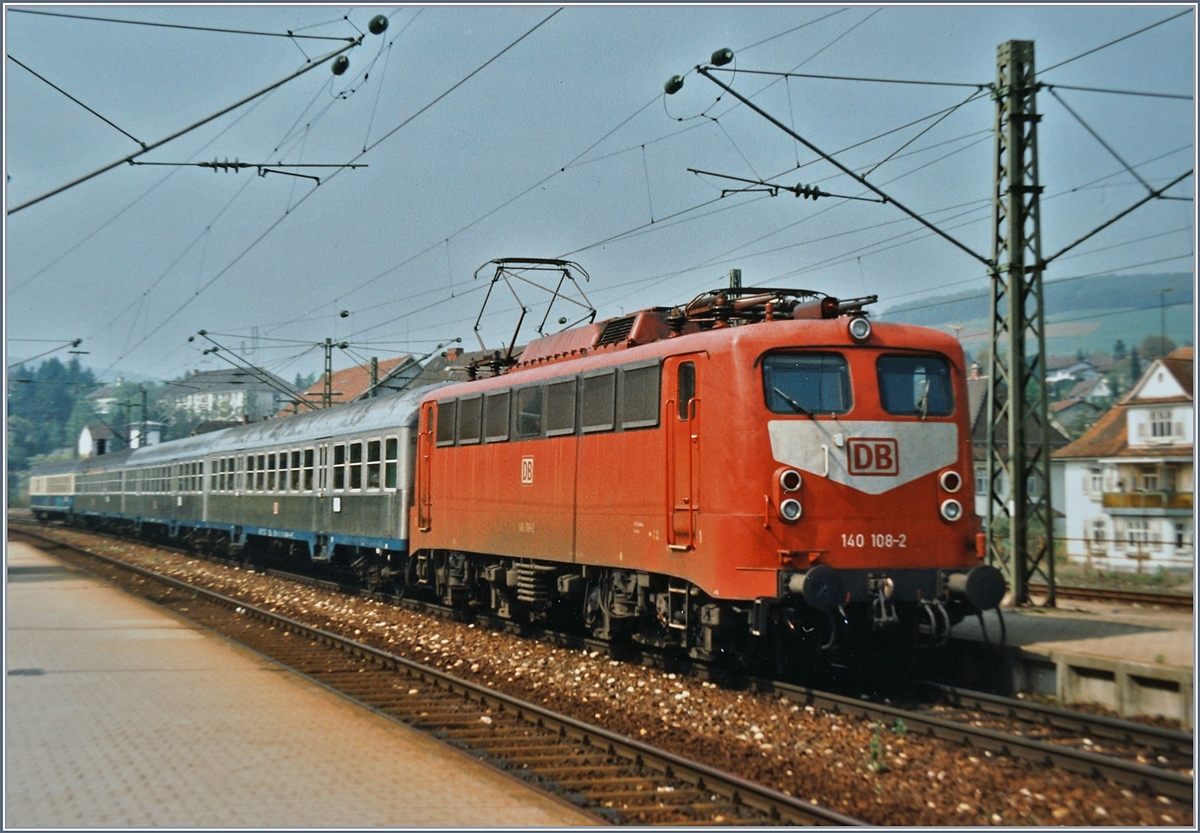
[
  {"x": 682, "y": 377},
  {"x": 323, "y": 520},
  {"x": 424, "y": 462}
]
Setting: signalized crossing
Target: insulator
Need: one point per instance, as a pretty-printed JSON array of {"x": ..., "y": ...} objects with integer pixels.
[
  {"x": 340, "y": 64},
  {"x": 721, "y": 57},
  {"x": 674, "y": 84},
  {"x": 378, "y": 25}
]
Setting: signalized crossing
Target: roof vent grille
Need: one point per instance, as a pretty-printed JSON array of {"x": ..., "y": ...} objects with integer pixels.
[{"x": 616, "y": 330}]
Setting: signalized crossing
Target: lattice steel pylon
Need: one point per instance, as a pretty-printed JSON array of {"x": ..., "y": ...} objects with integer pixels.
[{"x": 1017, "y": 429}]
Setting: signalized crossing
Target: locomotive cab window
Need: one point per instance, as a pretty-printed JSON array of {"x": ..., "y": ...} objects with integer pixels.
[
  {"x": 915, "y": 385},
  {"x": 529, "y": 412},
  {"x": 685, "y": 383},
  {"x": 807, "y": 383}
]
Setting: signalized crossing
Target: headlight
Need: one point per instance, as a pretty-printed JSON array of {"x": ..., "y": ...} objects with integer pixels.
[
  {"x": 860, "y": 329},
  {"x": 790, "y": 480},
  {"x": 951, "y": 509},
  {"x": 790, "y": 510},
  {"x": 951, "y": 482}
]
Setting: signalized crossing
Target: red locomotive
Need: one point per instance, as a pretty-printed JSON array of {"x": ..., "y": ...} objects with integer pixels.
[{"x": 759, "y": 466}]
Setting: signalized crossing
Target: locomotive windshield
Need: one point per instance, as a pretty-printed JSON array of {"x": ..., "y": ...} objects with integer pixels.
[
  {"x": 915, "y": 385},
  {"x": 807, "y": 383}
]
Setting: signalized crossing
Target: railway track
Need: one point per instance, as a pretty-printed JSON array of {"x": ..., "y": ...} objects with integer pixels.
[
  {"x": 1099, "y": 594},
  {"x": 617, "y": 779},
  {"x": 1143, "y": 757}
]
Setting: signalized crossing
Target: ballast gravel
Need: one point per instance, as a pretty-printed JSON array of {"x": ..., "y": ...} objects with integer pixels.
[{"x": 882, "y": 774}]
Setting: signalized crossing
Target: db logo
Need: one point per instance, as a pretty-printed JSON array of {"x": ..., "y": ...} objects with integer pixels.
[
  {"x": 527, "y": 470},
  {"x": 870, "y": 456}
]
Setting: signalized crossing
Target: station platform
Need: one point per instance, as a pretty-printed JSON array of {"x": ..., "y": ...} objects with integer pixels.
[
  {"x": 122, "y": 715},
  {"x": 1131, "y": 659}
]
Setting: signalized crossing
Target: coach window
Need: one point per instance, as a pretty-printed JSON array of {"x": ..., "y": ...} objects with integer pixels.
[
  {"x": 807, "y": 383},
  {"x": 295, "y": 482},
  {"x": 339, "y": 466},
  {"x": 221, "y": 474},
  {"x": 389, "y": 463},
  {"x": 560, "y": 408},
  {"x": 323, "y": 467},
  {"x": 260, "y": 478},
  {"x": 915, "y": 385},
  {"x": 597, "y": 402},
  {"x": 497, "y": 417},
  {"x": 373, "y": 464},
  {"x": 250, "y": 487},
  {"x": 271, "y": 459},
  {"x": 469, "y": 419},
  {"x": 529, "y": 412},
  {"x": 356, "y": 465},
  {"x": 308, "y": 469},
  {"x": 639, "y": 397},
  {"x": 213, "y": 475},
  {"x": 446, "y": 415}
]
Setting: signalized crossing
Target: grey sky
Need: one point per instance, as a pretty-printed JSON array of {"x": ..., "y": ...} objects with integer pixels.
[{"x": 396, "y": 243}]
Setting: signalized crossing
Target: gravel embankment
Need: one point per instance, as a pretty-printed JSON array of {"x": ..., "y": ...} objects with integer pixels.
[{"x": 881, "y": 774}]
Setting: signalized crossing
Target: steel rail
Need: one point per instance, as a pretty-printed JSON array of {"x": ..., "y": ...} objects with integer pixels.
[
  {"x": 1099, "y": 594},
  {"x": 1102, "y": 726},
  {"x": 1162, "y": 782},
  {"x": 774, "y": 807}
]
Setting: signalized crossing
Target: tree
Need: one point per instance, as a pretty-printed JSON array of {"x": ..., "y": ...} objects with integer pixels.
[
  {"x": 1135, "y": 367},
  {"x": 1119, "y": 350},
  {"x": 1153, "y": 347},
  {"x": 305, "y": 382}
]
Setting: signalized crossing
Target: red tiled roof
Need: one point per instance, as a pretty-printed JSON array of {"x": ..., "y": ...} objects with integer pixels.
[
  {"x": 1179, "y": 363},
  {"x": 1104, "y": 439},
  {"x": 347, "y": 384}
]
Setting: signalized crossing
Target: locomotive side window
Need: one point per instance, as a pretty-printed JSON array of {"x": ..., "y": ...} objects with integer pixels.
[
  {"x": 373, "y": 464},
  {"x": 598, "y": 402},
  {"x": 529, "y": 412},
  {"x": 639, "y": 397},
  {"x": 807, "y": 383},
  {"x": 469, "y": 419},
  {"x": 389, "y": 463},
  {"x": 339, "y": 466},
  {"x": 915, "y": 385},
  {"x": 560, "y": 408},
  {"x": 446, "y": 413},
  {"x": 497, "y": 416},
  {"x": 356, "y": 465},
  {"x": 308, "y": 469}
]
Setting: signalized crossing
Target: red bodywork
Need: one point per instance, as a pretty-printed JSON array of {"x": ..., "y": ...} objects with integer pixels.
[{"x": 699, "y": 498}]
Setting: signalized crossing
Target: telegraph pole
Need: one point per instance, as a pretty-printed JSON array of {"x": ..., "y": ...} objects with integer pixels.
[
  {"x": 1018, "y": 428},
  {"x": 327, "y": 393}
]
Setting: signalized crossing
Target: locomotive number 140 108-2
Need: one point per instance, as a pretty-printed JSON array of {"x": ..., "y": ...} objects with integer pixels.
[{"x": 874, "y": 539}]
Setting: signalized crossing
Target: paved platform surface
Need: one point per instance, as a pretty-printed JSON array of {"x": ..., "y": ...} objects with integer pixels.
[
  {"x": 1119, "y": 632},
  {"x": 120, "y": 715}
]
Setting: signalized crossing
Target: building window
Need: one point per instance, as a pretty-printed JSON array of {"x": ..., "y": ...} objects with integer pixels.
[
  {"x": 980, "y": 481},
  {"x": 1149, "y": 479},
  {"x": 1160, "y": 424},
  {"x": 1137, "y": 534},
  {"x": 1095, "y": 480}
]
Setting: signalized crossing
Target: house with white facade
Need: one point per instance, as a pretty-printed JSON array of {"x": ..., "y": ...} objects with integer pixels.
[
  {"x": 237, "y": 394},
  {"x": 1129, "y": 478}
]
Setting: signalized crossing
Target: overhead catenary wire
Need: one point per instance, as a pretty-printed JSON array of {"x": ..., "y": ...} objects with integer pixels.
[
  {"x": 1113, "y": 42},
  {"x": 107, "y": 121},
  {"x": 177, "y": 134},
  {"x": 189, "y": 27}
]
